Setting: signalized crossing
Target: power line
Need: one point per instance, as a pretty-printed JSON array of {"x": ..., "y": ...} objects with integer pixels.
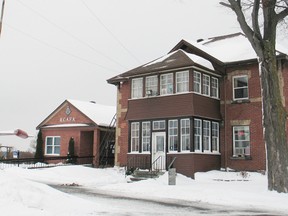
[
  {"x": 56, "y": 48},
  {"x": 1, "y": 18},
  {"x": 111, "y": 33},
  {"x": 68, "y": 33}
]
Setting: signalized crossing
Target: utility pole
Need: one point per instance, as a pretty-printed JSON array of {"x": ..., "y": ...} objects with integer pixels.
[{"x": 1, "y": 18}]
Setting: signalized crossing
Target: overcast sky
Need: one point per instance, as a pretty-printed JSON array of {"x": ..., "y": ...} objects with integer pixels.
[{"x": 52, "y": 50}]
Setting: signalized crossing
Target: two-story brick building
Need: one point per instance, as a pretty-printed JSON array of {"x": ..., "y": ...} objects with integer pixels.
[{"x": 200, "y": 103}]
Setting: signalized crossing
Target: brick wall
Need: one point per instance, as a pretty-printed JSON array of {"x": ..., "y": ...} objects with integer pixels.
[{"x": 121, "y": 144}]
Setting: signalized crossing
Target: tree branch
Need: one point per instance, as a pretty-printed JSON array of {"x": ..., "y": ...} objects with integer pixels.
[
  {"x": 255, "y": 20},
  {"x": 282, "y": 15}
]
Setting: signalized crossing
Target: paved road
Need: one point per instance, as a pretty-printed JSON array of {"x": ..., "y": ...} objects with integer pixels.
[{"x": 124, "y": 206}]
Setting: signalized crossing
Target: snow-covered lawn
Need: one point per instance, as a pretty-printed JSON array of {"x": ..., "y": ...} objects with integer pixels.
[{"x": 25, "y": 191}]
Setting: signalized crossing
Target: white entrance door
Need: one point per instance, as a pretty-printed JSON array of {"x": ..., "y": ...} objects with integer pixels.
[{"x": 158, "y": 151}]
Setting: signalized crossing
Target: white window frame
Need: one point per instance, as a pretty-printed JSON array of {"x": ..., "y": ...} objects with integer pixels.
[
  {"x": 146, "y": 136},
  {"x": 137, "y": 88},
  {"x": 197, "y": 82},
  {"x": 206, "y": 85},
  {"x": 166, "y": 84},
  {"x": 244, "y": 150},
  {"x": 151, "y": 86},
  {"x": 159, "y": 125},
  {"x": 173, "y": 135},
  {"x": 182, "y": 81},
  {"x": 185, "y": 128},
  {"x": 237, "y": 88},
  {"x": 206, "y": 136},
  {"x": 198, "y": 136},
  {"x": 215, "y": 137},
  {"x": 53, "y": 145},
  {"x": 135, "y": 133},
  {"x": 214, "y": 87}
]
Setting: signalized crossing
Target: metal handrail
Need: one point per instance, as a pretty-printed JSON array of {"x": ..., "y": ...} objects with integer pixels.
[
  {"x": 171, "y": 164},
  {"x": 156, "y": 161}
]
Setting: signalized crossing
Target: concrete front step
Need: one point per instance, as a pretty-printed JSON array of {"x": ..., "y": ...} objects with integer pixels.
[{"x": 139, "y": 175}]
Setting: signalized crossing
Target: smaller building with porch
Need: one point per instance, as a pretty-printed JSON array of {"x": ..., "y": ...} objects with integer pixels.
[{"x": 90, "y": 125}]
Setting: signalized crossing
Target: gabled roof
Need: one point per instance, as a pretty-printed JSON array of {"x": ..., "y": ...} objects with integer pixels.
[
  {"x": 100, "y": 115},
  {"x": 224, "y": 49},
  {"x": 174, "y": 60}
]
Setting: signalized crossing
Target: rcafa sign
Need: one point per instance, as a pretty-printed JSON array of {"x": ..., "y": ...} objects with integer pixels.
[{"x": 67, "y": 118}]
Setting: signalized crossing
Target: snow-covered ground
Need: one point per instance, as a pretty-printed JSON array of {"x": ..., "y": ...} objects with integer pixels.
[{"x": 25, "y": 191}]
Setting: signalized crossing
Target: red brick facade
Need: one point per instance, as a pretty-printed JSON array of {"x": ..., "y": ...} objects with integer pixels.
[
  {"x": 228, "y": 111},
  {"x": 72, "y": 124}
]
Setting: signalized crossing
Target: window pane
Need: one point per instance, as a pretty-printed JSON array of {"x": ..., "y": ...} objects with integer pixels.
[
  {"x": 151, "y": 88},
  {"x": 159, "y": 125},
  {"x": 206, "y": 85},
  {"x": 197, "y": 135},
  {"x": 241, "y": 137},
  {"x": 240, "y": 85},
  {"x": 145, "y": 136},
  {"x": 173, "y": 135},
  {"x": 135, "y": 136},
  {"x": 166, "y": 84},
  {"x": 137, "y": 88},
  {"x": 197, "y": 82},
  {"x": 182, "y": 81},
  {"x": 214, "y": 87},
  {"x": 215, "y": 136},
  {"x": 206, "y": 135},
  {"x": 185, "y": 134}
]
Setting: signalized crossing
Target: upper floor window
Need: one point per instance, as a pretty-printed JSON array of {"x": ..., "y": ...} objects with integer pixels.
[
  {"x": 240, "y": 87},
  {"x": 241, "y": 140},
  {"x": 146, "y": 137},
  {"x": 206, "y": 85},
  {"x": 182, "y": 81},
  {"x": 214, "y": 87},
  {"x": 173, "y": 135},
  {"x": 166, "y": 84},
  {"x": 52, "y": 145},
  {"x": 151, "y": 86},
  {"x": 197, "y": 82},
  {"x": 135, "y": 137},
  {"x": 137, "y": 88}
]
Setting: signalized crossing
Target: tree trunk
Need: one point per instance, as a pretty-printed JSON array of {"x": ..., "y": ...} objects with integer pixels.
[{"x": 274, "y": 122}]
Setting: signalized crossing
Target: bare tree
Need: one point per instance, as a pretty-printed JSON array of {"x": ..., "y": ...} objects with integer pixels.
[{"x": 261, "y": 33}]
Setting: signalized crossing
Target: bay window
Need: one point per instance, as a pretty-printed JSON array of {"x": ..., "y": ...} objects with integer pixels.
[
  {"x": 135, "y": 137},
  {"x": 151, "y": 86},
  {"x": 185, "y": 134},
  {"x": 173, "y": 135},
  {"x": 137, "y": 88},
  {"x": 166, "y": 84},
  {"x": 182, "y": 81}
]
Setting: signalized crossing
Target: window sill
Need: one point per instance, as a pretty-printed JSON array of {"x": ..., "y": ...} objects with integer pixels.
[
  {"x": 240, "y": 101},
  {"x": 242, "y": 157}
]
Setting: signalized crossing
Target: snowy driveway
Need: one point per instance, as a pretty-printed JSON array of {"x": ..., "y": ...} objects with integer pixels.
[{"x": 121, "y": 205}]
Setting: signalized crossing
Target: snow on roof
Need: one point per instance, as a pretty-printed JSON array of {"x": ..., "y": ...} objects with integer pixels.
[
  {"x": 66, "y": 125},
  {"x": 197, "y": 59},
  {"x": 229, "y": 48},
  {"x": 102, "y": 115}
]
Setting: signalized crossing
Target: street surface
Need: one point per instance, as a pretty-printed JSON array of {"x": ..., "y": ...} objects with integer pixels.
[{"x": 123, "y": 206}]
